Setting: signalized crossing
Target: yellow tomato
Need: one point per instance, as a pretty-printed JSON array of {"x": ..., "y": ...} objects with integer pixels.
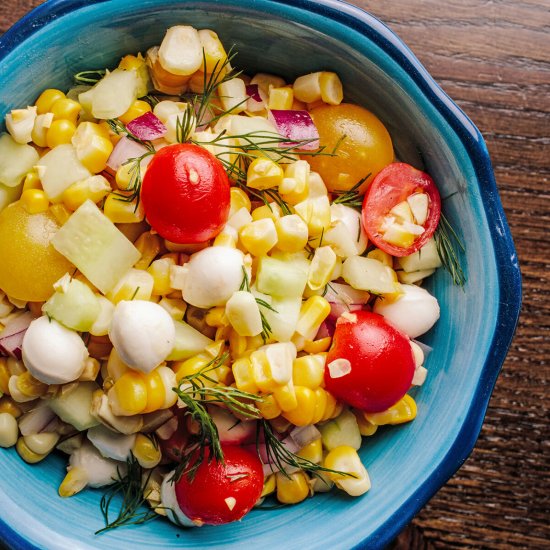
[
  {"x": 366, "y": 148},
  {"x": 29, "y": 264}
]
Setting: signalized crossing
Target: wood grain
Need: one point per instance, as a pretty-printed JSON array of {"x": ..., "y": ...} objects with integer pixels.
[{"x": 493, "y": 58}]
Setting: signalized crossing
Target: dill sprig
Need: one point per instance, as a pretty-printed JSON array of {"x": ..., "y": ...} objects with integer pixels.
[
  {"x": 281, "y": 457},
  {"x": 352, "y": 197},
  {"x": 266, "y": 327},
  {"x": 445, "y": 239},
  {"x": 89, "y": 77},
  {"x": 133, "y": 192},
  {"x": 195, "y": 394},
  {"x": 131, "y": 487},
  {"x": 119, "y": 128}
]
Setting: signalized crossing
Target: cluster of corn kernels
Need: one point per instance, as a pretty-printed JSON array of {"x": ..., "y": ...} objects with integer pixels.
[{"x": 129, "y": 402}]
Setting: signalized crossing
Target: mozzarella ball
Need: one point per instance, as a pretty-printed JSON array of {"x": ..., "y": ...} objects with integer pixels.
[
  {"x": 142, "y": 333},
  {"x": 52, "y": 353},
  {"x": 212, "y": 275},
  {"x": 414, "y": 312}
]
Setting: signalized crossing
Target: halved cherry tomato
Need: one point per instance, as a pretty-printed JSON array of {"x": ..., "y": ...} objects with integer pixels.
[
  {"x": 370, "y": 365},
  {"x": 185, "y": 193},
  {"x": 222, "y": 492},
  {"x": 392, "y": 188}
]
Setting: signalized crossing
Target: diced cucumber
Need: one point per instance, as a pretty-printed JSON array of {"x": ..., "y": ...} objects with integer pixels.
[
  {"x": 16, "y": 160},
  {"x": 370, "y": 275},
  {"x": 92, "y": 243},
  {"x": 73, "y": 304},
  {"x": 425, "y": 258},
  {"x": 188, "y": 342},
  {"x": 285, "y": 317},
  {"x": 343, "y": 430},
  {"x": 282, "y": 277},
  {"x": 113, "y": 95},
  {"x": 74, "y": 407}
]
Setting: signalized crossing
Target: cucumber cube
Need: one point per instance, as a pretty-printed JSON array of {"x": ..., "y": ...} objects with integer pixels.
[
  {"x": 96, "y": 247},
  {"x": 189, "y": 341},
  {"x": 278, "y": 277},
  {"x": 74, "y": 407},
  {"x": 16, "y": 160}
]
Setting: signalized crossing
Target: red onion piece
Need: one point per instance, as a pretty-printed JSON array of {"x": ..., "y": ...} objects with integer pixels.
[
  {"x": 304, "y": 435},
  {"x": 147, "y": 127},
  {"x": 11, "y": 338},
  {"x": 326, "y": 329},
  {"x": 125, "y": 150},
  {"x": 296, "y": 126},
  {"x": 253, "y": 92},
  {"x": 346, "y": 294},
  {"x": 36, "y": 420},
  {"x": 231, "y": 430}
]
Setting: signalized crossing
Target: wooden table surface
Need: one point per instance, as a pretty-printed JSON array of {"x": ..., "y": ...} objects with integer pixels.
[{"x": 493, "y": 58}]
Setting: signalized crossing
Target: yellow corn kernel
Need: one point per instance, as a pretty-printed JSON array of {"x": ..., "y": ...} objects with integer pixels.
[
  {"x": 316, "y": 213},
  {"x": 381, "y": 256},
  {"x": 74, "y": 482},
  {"x": 312, "y": 451},
  {"x": 60, "y": 212},
  {"x": 292, "y": 233},
  {"x": 160, "y": 270},
  {"x": 271, "y": 211},
  {"x": 146, "y": 451},
  {"x": 286, "y": 397},
  {"x": 94, "y": 188},
  {"x": 312, "y": 313},
  {"x": 307, "y": 88},
  {"x": 216, "y": 317},
  {"x": 150, "y": 245},
  {"x": 308, "y": 371},
  {"x": 30, "y": 386},
  {"x": 331, "y": 88},
  {"x": 281, "y": 98},
  {"x": 4, "y": 376},
  {"x": 225, "y": 238},
  {"x": 164, "y": 80},
  {"x": 65, "y": 109},
  {"x": 16, "y": 366},
  {"x": 34, "y": 201},
  {"x": 42, "y": 443},
  {"x": 128, "y": 396},
  {"x": 223, "y": 333},
  {"x": 303, "y": 413},
  {"x": 155, "y": 391},
  {"x": 365, "y": 427},
  {"x": 91, "y": 368},
  {"x": 32, "y": 181},
  {"x": 60, "y": 132},
  {"x": 214, "y": 55},
  {"x": 131, "y": 62},
  {"x": 321, "y": 404},
  {"x": 124, "y": 177},
  {"x": 190, "y": 366},
  {"x": 264, "y": 173},
  {"x": 403, "y": 411},
  {"x": 270, "y": 484},
  {"x": 321, "y": 268},
  {"x": 292, "y": 488},
  {"x": 244, "y": 375},
  {"x": 346, "y": 460},
  {"x": 331, "y": 408},
  {"x": 317, "y": 346},
  {"x": 46, "y": 99},
  {"x": 258, "y": 237},
  {"x": 30, "y": 457},
  {"x": 268, "y": 407},
  {"x": 238, "y": 199},
  {"x": 119, "y": 209},
  {"x": 93, "y": 146},
  {"x": 237, "y": 344},
  {"x": 138, "y": 108},
  {"x": 9, "y": 406}
]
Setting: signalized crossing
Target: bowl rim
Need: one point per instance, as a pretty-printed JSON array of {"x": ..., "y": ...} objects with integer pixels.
[{"x": 509, "y": 276}]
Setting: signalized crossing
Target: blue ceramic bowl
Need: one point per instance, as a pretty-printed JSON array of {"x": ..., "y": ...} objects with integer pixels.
[{"x": 407, "y": 464}]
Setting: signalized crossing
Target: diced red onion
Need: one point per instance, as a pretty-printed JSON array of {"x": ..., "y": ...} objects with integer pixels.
[
  {"x": 230, "y": 430},
  {"x": 147, "y": 127},
  {"x": 253, "y": 92},
  {"x": 304, "y": 435},
  {"x": 11, "y": 338},
  {"x": 257, "y": 99},
  {"x": 297, "y": 126},
  {"x": 125, "y": 150},
  {"x": 337, "y": 308},
  {"x": 346, "y": 294},
  {"x": 326, "y": 329},
  {"x": 36, "y": 420},
  {"x": 206, "y": 117}
]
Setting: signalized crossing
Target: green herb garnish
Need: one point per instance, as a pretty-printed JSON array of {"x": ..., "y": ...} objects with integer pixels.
[
  {"x": 352, "y": 197},
  {"x": 445, "y": 240},
  {"x": 89, "y": 77}
]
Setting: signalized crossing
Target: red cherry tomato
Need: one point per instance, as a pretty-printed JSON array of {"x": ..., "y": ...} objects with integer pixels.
[
  {"x": 185, "y": 194},
  {"x": 222, "y": 492},
  {"x": 393, "y": 185},
  {"x": 381, "y": 360}
]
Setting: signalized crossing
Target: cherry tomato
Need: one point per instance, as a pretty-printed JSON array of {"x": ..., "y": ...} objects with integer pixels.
[
  {"x": 222, "y": 492},
  {"x": 366, "y": 148},
  {"x": 381, "y": 362},
  {"x": 393, "y": 186},
  {"x": 185, "y": 193}
]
